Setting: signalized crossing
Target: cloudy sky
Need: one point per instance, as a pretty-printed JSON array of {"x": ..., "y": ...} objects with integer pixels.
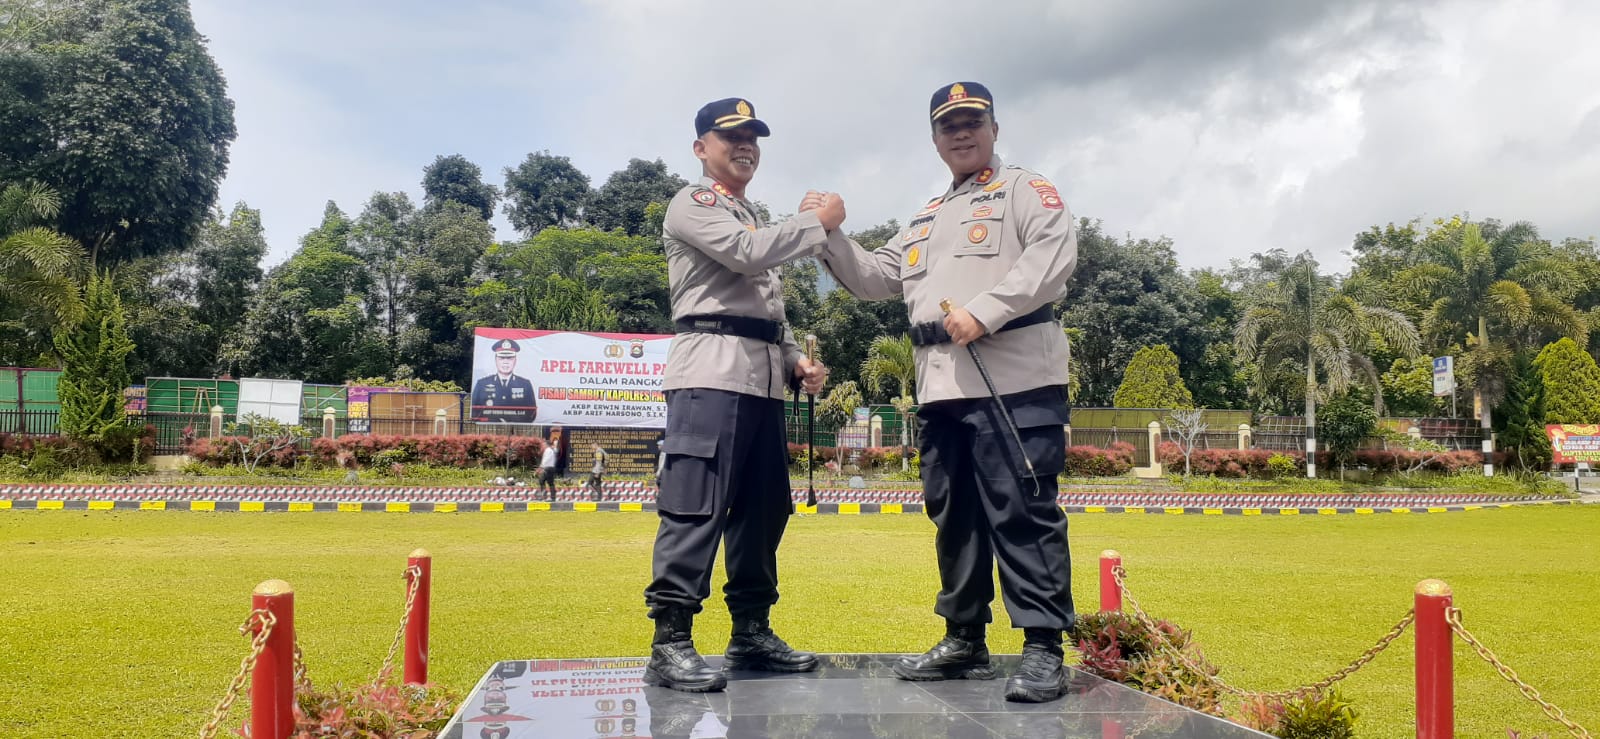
[{"x": 1231, "y": 126}]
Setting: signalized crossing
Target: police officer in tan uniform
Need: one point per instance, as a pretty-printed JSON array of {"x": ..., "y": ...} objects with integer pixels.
[
  {"x": 999, "y": 245},
  {"x": 726, "y": 459}
]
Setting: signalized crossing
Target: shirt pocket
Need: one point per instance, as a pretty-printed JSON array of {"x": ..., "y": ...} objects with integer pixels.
[
  {"x": 914, "y": 247},
  {"x": 980, "y": 233}
]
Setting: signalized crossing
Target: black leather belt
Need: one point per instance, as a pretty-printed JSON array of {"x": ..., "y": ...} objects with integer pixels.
[
  {"x": 760, "y": 329},
  {"x": 932, "y": 332}
]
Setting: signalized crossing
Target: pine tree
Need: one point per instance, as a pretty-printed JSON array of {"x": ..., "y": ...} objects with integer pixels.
[
  {"x": 1151, "y": 380},
  {"x": 94, "y": 364},
  {"x": 1571, "y": 383},
  {"x": 1523, "y": 439}
]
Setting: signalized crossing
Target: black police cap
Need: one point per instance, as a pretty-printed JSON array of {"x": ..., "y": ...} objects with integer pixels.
[
  {"x": 959, "y": 95},
  {"x": 728, "y": 113}
]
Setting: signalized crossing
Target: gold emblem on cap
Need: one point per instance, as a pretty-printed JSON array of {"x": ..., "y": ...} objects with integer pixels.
[
  {"x": 958, "y": 91},
  {"x": 743, "y": 108}
]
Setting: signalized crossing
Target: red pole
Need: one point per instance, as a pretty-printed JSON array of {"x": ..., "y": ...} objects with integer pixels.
[
  {"x": 416, "y": 670},
  {"x": 1435, "y": 662},
  {"x": 272, "y": 683},
  {"x": 1110, "y": 594}
]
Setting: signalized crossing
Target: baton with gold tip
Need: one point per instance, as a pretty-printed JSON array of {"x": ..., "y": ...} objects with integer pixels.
[
  {"x": 811, "y": 429},
  {"x": 1005, "y": 413}
]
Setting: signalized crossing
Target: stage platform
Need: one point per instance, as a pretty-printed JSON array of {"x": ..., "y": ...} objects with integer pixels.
[{"x": 851, "y": 695}]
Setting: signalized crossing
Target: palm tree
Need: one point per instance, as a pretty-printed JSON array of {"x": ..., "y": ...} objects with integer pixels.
[
  {"x": 40, "y": 270},
  {"x": 893, "y": 358},
  {"x": 1518, "y": 286},
  {"x": 1299, "y": 316}
]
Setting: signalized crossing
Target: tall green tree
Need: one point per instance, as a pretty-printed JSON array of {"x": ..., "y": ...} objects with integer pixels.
[
  {"x": 40, "y": 270},
  {"x": 1571, "y": 383},
  {"x": 1124, "y": 296},
  {"x": 182, "y": 308},
  {"x": 1152, "y": 380},
  {"x": 436, "y": 345},
  {"x": 163, "y": 321},
  {"x": 309, "y": 320},
  {"x": 1484, "y": 280},
  {"x": 1521, "y": 437},
  {"x": 564, "y": 304},
  {"x": 1298, "y": 317},
  {"x": 544, "y": 191},
  {"x": 227, "y": 260},
  {"x": 453, "y": 179},
  {"x": 94, "y": 365},
  {"x": 801, "y": 300},
  {"x": 1210, "y": 370},
  {"x": 602, "y": 280},
  {"x": 123, "y": 112},
  {"x": 385, "y": 238},
  {"x": 622, "y": 200}
]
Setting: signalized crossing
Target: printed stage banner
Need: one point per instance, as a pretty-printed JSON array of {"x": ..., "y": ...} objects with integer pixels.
[{"x": 569, "y": 377}]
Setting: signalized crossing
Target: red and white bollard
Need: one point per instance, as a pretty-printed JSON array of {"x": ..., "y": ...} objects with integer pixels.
[
  {"x": 1110, "y": 594},
  {"x": 272, "y": 683},
  {"x": 1435, "y": 662},
  {"x": 416, "y": 665}
]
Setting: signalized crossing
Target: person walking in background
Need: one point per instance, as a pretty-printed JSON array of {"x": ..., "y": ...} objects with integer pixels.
[
  {"x": 547, "y": 471},
  {"x": 597, "y": 473}
]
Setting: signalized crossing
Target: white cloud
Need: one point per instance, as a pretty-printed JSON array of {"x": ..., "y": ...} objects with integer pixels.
[{"x": 1232, "y": 126}]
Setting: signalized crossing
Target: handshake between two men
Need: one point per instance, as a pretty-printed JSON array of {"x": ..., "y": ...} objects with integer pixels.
[{"x": 959, "y": 323}]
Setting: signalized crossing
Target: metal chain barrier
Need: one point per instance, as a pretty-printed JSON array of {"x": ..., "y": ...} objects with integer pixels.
[
  {"x": 1453, "y": 617},
  {"x": 414, "y": 573},
  {"x": 267, "y": 621},
  {"x": 302, "y": 683},
  {"x": 1206, "y": 671}
]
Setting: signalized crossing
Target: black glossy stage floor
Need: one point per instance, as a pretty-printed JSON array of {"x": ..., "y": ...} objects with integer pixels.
[{"x": 852, "y": 695}]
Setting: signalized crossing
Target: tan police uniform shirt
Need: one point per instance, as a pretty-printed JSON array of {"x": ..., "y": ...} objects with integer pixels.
[
  {"x": 722, "y": 259},
  {"x": 1001, "y": 244}
]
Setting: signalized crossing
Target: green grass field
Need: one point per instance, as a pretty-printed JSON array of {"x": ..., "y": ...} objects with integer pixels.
[{"x": 124, "y": 623}]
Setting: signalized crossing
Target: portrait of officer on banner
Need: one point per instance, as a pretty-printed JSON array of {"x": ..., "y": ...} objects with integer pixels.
[{"x": 504, "y": 396}]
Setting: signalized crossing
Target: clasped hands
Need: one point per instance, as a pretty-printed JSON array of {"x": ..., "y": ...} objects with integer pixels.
[{"x": 962, "y": 326}]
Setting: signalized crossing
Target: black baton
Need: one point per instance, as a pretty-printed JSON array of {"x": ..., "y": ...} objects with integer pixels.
[
  {"x": 811, "y": 429},
  {"x": 995, "y": 395}
]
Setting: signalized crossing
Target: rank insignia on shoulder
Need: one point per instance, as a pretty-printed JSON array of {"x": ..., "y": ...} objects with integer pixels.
[
  {"x": 1048, "y": 197},
  {"x": 721, "y": 189}
]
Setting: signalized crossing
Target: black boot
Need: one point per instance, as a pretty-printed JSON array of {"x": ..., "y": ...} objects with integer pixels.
[
  {"x": 1041, "y": 676},
  {"x": 755, "y": 647},
  {"x": 960, "y": 655},
  {"x": 674, "y": 663}
]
